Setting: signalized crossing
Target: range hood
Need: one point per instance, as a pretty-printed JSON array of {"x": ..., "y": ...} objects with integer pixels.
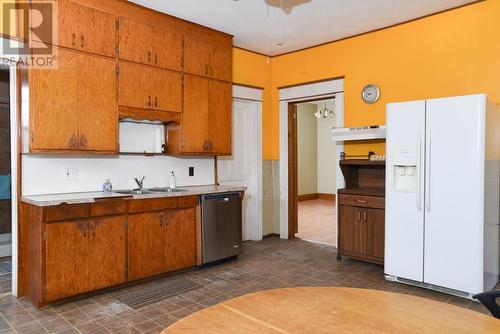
[{"x": 359, "y": 133}]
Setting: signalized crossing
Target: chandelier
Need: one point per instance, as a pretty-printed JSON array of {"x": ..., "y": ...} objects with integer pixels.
[{"x": 324, "y": 112}]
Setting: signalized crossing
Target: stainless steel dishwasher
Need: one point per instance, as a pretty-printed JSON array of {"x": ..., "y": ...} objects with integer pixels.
[{"x": 221, "y": 226}]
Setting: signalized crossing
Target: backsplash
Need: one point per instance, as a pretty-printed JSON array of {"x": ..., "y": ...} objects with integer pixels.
[{"x": 46, "y": 174}]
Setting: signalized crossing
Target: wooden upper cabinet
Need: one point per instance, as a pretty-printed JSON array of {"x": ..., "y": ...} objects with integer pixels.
[
  {"x": 97, "y": 104},
  {"x": 208, "y": 56},
  {"x": 146, "y": 44},
  {"x": 72, "y": 108},
  {"x": 53, "y": 105},
  {"x": 220, "y": 113},
  {"x": 97, "y": 31},
  {"x": 87, "y": 29},
  {"x": 180, "y": 250},
  {"x": 195, "y": 116},
  {"x": 150, "y": 88}
]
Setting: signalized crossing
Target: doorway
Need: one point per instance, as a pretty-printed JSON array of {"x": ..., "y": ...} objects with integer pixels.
[
  {"x": 313, "y": 170},
  {"x": 5, "y": 173}
]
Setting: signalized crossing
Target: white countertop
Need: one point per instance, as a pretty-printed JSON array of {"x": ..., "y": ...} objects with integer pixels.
[{"x": 90, "y": 197}]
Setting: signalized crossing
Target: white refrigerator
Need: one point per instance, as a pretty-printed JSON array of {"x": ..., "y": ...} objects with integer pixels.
[{"x": 442, "y": 194}]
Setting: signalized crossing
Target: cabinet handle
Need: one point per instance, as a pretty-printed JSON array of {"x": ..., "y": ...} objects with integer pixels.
[
  {"x": 161, "y": 220},
  {"x": 73, "y": 38},
  {"x": 365, "y": 216},
  {"x": 156, "y": 101},
  {"x": 206, "y": 69},
  {"x": 359, "y": 216},
  {"x": 149, "y": 56},
  {"x": 82, "y": 42},
  {"x": 71, "y": 141},
  {"x": 83, "y": 141},
  {"x": 205, "y": 145},
  {"x": 156, "y": 59},
  {"x": 361, "y": 201},
  {"x": 149, "y": 100},
  {"x": 211, "y": 146}
]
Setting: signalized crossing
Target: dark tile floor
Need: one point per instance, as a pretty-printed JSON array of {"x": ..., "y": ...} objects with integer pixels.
[{"x": 268, "y": 264}]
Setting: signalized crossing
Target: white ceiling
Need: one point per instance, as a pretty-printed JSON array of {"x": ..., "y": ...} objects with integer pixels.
[{"x": 261, "y": 25}]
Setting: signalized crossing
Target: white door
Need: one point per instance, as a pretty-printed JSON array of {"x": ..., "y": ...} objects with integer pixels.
[
  {"x": 455, "y": 192},
  {"x": 244, "y": 167},
  {"x": 404, "y": 218}
]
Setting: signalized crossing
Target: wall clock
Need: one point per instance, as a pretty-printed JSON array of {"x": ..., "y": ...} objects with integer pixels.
[{"x": 370, "y": 93}]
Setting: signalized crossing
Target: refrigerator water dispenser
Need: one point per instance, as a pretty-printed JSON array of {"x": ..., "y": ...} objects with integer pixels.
[{"x": 404, "y": 166}]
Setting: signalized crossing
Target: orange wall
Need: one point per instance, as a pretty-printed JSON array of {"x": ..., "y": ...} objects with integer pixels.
[{"x": 453, "y": 53}]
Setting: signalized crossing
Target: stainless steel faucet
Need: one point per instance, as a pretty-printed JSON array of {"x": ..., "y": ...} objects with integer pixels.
[{"x": 139, "y": 183}]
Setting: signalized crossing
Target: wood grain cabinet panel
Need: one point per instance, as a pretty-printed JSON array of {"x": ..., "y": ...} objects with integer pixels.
[
  {"x": 150, "y": 45},
  {"x": 53, "y": 105},
  {"x": 195, "y": 116},
  {"x": 347, "y": 235},
  {"x": 97, "y": 106},
  {"x": 107, "y": 252},
  {"x": 197, "y": 54},
  {"x": 222, "y": 60},
  {"x": 97, "y": 31},
  {"x": 146, "y": 243},
  {"x": 180, "y": 250},
  {"x": 220, "y": 114},
  {"x": 375, "y": 230},
  {"x": 67, "y": 260},
  {"x": 166, "y": 90}
]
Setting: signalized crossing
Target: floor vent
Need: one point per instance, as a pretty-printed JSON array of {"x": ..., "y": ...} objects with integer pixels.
[{"x": 142, "y": 296}]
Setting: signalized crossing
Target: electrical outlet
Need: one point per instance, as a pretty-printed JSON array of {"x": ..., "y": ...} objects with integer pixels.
[
  {"x": 70, "y": 174},
  {"x": 191, "y": 171}
]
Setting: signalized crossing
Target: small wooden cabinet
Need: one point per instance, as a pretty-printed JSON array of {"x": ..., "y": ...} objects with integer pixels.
[
  {"x": 206, "y": 126},
  {"x": 150, "y": 45},
  {"x": 151, "y": 88},
  {"x": 73, "y": 109},
  {"x": 86, "y": 29},
  {"x": 361, "y": 210}
]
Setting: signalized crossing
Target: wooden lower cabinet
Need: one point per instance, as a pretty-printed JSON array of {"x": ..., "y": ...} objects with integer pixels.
[
  {"x": 161, "y": 242},
  {"x": 361, "y": 233},
  {"x": 82, "y": 256}
]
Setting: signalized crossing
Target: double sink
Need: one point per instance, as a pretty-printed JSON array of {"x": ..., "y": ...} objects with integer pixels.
[{"x": 150, "y": 191}]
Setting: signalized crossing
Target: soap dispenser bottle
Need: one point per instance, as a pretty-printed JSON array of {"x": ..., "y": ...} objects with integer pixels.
[
  {"x": 107, "y": 187},
  {"x": 172, "y": 180}
]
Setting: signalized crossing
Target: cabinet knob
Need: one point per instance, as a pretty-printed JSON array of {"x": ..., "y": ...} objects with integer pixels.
[
  {"x": 82, "y": 41},
  {"x": 359, "y": 216},
  {"x": 156, "y": 101},
  {"x": 73, "y": 38},
  {"x": 365, "y": 216},
  {"x": 149, "y": 100}
]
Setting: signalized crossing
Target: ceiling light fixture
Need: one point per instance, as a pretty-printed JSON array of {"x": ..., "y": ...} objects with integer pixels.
[{"x": 325, "y": 112}]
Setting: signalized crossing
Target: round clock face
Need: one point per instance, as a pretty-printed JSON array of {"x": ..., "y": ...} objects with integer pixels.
[{"x": 370, "y": 93}]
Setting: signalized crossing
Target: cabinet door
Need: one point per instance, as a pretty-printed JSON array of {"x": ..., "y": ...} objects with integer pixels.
[
  {"x": 374, "y": 222},
  {"x": 135, "y": 85},
  {"x": 195, "y": 117},
  {"x": 180, "y": 243},
  {"x": 67, "y": 24},
  {"x": 67, "y": 260},
  {"x": 222, "y": 60},
  {"x": 220, "y": 114},
  {"x": 97, "y": 103},
  {"x": 96, "y": 31},
  {"x": 167, "y": 49},
  {"x": 135, "y": 41},
  {"x": 166, "y": 90},
  {"x": 348, "y": 219},
  {"x": 146, "y": 245},
  {"x": 107, "y": 252},
  {"x": 197, "y": 54},
  {"x": 53, "y": 103}
]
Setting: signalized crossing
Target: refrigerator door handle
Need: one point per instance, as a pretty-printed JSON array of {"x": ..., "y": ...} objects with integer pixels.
[
  {"x": 428, "y": 174},
  {"x": 419, "y": 172}
]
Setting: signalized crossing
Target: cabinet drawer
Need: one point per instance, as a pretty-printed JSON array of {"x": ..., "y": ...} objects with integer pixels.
[
  {"x": 362, "y": 201},
  {"x": 108, "y": 207},
  {"x": 66, "y": 212},
  {"x": 155, "y": 204}
]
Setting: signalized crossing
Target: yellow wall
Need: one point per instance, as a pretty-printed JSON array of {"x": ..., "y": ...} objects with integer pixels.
[{"x": 453, "y": 53}]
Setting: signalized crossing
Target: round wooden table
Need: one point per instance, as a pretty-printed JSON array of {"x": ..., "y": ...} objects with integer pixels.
[{"x": 334, "y": 310}]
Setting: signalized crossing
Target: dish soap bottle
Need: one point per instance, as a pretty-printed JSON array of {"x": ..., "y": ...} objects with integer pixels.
[
  {"x": 172, "y": 180},
  {"x": 107, "y": 187}
]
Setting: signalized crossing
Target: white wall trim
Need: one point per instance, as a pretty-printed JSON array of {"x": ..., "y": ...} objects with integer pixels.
[
  {"x": 303, "y": 93},
  {"x": 247, "y": 93}
]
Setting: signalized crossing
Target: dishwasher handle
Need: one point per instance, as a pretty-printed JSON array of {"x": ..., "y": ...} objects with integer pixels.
[{"x": 224, "y": 197}]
